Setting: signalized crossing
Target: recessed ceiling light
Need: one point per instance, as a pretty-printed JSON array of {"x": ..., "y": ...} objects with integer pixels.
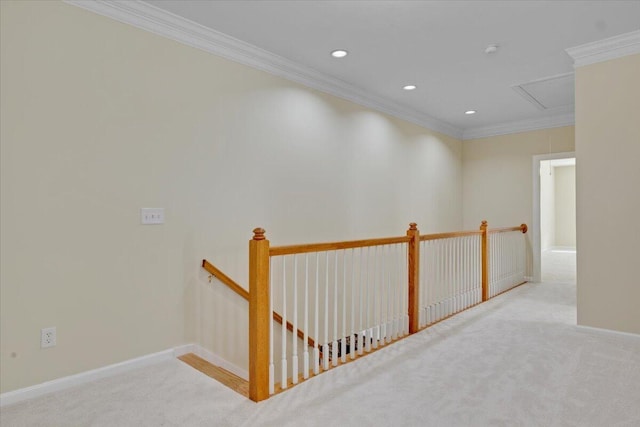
[
  {"x": 339, "y": 53},
  {"x": 469, "y": 112},
  {"x": 492, "y": 48},
  {"x": 409, "y": 87}
]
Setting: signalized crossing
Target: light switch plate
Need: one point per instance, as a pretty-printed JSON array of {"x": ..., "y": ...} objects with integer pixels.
[{"x": 152, "y": 216}]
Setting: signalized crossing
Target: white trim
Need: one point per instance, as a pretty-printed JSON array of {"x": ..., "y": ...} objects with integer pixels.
[
  {"x": 219, "y": 361},
  {"x": 83, "y": 377},
  {"x": 606, "y": 49},
  {"x": 64, "y": 383},
  {"x": 184, "y": 349},
  {"x": 166, "y": 24},
  {"x": 520, "y": 126},
  {"x": 603, "y": 331},
  {"x": 535, "y": 226}
]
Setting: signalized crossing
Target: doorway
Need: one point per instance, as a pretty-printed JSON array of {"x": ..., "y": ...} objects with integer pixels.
[{"x": 554, "y": 216}]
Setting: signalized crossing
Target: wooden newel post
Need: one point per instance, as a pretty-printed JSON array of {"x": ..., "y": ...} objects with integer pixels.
[
  {"x": 414, "y": 278},
  {"x": 259, "y": 316},
  {"x": 485, "y": 261}
]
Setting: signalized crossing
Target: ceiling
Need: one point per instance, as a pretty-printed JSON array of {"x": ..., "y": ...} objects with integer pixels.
[{"x": 436, "y": 45}]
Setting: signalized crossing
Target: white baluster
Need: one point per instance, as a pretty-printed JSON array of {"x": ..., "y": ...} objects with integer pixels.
[
  {"x": 389, "y": 323},
  {"x": 400, "y": 285},
  {"x": 390, "y": 295},
  {"x": 352, "y": 342},
  {"x": 433, "y": 280},
  {"x": 325, "y": 346},
  {"x": 469, "y": 275},
  {"x": 456, "y": 281},
  {"x": 478, "y": 259},
  {"x": 463, "y": 272},
  {"x": 493, "y": 258},
  {"x": 294, "y": 335},
  {"x": 405, "y": 289},
  {"x": 283, "y": 376},
  {"x": 426, "y": 274},
  {"x": 443, "y": 280},
  {"x": 334, "y": 347},
  {"x": 422, "y": 319},
  {"x": 394, "y": 290},
  {"x": 362, "y": 302},
  {"x": 429, "y": 281},
  {"x": 460, "y": 263},
  {"x": 445, "y": 274},
  {"x": 452, "y": 276},
  {"x": 272, "y": 376},
  {"x": 375, "y": 330},
  {"x": 382, "y": 299},
  {"x": 398, "y": 317},
  {"x": 316, "y": 350},
  {"x": 369, "y": 332},
  {"x": 343, "y": 341},
  {"x": 429, "y": 276},
  {"x": 438, "y": 286},
  {"x": 305, "y": 354}
]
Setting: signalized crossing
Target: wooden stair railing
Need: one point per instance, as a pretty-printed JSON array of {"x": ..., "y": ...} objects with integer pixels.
[
  {"x": 261, "y": 355},
  {"x": 235, "y": 287}
]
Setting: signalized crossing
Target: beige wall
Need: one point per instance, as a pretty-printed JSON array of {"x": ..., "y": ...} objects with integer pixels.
[
  {"x": 608, "y": 199},
  {"x": 100, "y": 119},
  {"x": 497, "y": 180},
  {"x": 497, "y": 177},
  {"x": 565, "y": 206}
]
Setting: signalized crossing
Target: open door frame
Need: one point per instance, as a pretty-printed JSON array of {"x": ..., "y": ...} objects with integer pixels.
[{"x": 535, "y": 231}]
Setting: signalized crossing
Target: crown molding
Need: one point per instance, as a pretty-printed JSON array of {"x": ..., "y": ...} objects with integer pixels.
[
  {"x": 520, "y": 126},
  {"x": 606, "y": 49},
  {"x": 166, "y": 24}
]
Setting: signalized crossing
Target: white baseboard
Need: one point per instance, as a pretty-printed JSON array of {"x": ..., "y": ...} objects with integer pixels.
[
  {"x": 218, "y": 361},
  {"x": 63, "y": 383},
  {"x": 184, "y": 349},
  {"x": 603, "y": 331}
]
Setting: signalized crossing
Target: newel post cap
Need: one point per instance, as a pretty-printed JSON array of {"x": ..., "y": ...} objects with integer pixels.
[
  {"x": 413, "y": 226},
  {"x": 258, "y": 234},
  {"x": 484, "y": 225}
]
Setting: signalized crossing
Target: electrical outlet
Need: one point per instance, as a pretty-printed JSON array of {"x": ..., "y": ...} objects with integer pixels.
[
  {"x": 48, "y": 337},
  {"x": 152, "y": 216}
]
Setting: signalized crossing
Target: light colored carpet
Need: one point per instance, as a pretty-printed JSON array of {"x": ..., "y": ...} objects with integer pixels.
[
  {"x": 559, "y": 265},
  {"x": 517, "y": 360}
]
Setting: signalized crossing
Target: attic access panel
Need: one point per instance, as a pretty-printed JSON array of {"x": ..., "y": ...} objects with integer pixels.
[{"x": 550, "y": 93}]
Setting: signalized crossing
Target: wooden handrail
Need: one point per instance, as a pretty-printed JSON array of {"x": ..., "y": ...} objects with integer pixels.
[
  {"x": 332, "y": 246},
  {"x": 218, "y": 274},
  {"x": 234, "y": 286},
  {"x": 522, "y": 227},
  {"x": 449, "y": 235}
]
